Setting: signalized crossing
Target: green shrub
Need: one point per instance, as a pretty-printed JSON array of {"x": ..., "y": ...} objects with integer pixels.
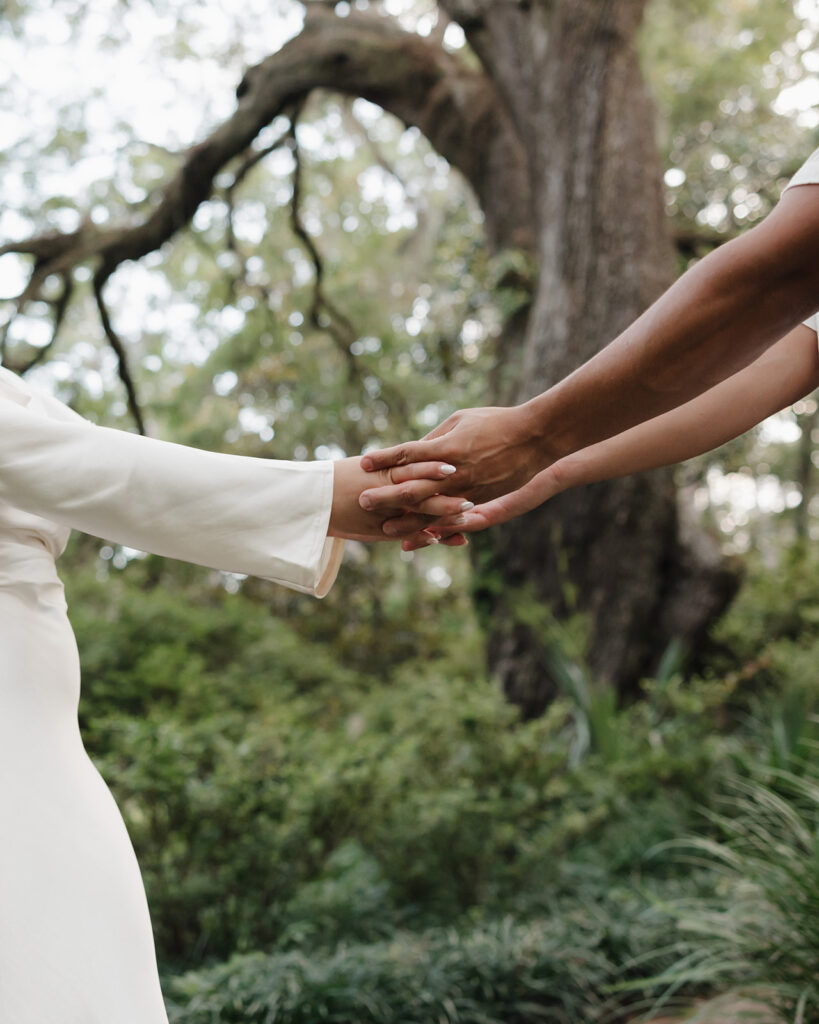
[
  {"x": 280, "y": 800},
  {"x": 760, "y": 931},
  {"x": 514, "y": 973}
]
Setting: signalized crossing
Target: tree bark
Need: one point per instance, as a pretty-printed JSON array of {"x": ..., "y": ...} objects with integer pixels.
[{"x": 615, "y": 551}]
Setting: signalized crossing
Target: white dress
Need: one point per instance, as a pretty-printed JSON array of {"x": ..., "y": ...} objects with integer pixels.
[{"x": 76, "y": 945}]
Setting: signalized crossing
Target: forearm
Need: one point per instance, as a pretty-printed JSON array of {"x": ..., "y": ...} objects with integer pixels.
[
  {"x": 786, "y": 372},
  {"x": 715, "y": 320},
  {"x": 720, "y": 316}
]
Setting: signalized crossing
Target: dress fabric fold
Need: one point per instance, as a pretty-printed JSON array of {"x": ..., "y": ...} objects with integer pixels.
[{"x": 76, "y": 944}]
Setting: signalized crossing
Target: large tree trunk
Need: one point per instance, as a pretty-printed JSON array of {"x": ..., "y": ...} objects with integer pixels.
[
  {"x": 555, "y": 133},
  {"x": 570, "y": 76}
]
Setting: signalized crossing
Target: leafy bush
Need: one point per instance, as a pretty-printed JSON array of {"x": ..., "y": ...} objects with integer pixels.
[
  {"x": 761, "y": 929},
  {"x": 281, "y": 800},
  {"x": 278, "y": 800},
  {"x": 507, "y": 972}
]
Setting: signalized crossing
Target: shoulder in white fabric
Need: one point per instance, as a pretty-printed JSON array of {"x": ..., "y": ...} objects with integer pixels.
[
  {"x": 13, "y": 387},
  {"x": 18, "y": 390},
  {"x": 808, "y": 173}
]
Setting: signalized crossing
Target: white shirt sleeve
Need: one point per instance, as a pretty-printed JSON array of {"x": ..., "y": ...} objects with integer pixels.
[
  {"x": 808, "y": 174},
  {"x": 260, "y": 517}
]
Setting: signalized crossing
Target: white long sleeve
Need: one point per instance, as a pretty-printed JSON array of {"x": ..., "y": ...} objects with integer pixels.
[{"x": 261, "y": 517}]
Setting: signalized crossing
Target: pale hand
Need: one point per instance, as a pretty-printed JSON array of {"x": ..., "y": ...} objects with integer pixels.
[
  {"x": 348, "y": 519},
  {"x": 494, "y": 451}
]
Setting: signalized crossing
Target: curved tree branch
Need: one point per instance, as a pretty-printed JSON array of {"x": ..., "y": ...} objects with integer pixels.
[
  {"x": 60, "y": 304},
  {"x": 324, "y": 315},
  {"x": 363, "y": 55},
  {"x": 251, "y": 159},
  {"x": 122, "y": 360},
  {"x": 60, "y": 307},
  {"x": 500, "y": 33}
]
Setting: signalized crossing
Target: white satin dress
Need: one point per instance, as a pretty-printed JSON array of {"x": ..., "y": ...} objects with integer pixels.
[{"x": 76, "y": 945}]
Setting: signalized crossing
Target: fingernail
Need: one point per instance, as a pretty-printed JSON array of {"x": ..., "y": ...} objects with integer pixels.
[
  {"x": 448, "y": 470},
  {"x": 434, "y": 540},
  {"x": 365, "y": 501},
  {"x": 459, "y": 520},
  {"x": 431, "y": 533},
  {"x": 467, "y": 505}
]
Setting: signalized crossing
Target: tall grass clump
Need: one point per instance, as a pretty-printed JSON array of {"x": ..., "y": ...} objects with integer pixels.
[{"x": 760, "y": 933}]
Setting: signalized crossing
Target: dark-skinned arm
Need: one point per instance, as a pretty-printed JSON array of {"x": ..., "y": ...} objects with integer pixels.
[
  {"x": 717, "y": 318},
  {"x": 786, "y": 372}
]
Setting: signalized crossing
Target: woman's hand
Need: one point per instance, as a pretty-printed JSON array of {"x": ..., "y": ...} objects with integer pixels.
[
  {"x": 540, "y": 488},
  {"x": 348, "y": 518},
  {"x": 494, "y": 450}
]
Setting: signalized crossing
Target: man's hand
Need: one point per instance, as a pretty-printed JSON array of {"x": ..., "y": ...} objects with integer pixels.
[
  {"x": 493, "y": 450},
  {"x": 348, "y": 519}
]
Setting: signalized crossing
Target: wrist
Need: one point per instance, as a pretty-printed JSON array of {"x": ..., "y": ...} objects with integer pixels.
[
  {"x": 564, "y": 474},
  {"x": 538, "y": 432}
]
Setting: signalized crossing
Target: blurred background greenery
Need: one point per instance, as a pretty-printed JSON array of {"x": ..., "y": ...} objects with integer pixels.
[{"x": 338, "y": 812}]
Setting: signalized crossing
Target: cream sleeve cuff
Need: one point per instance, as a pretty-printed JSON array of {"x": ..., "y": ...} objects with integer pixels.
[{"x": 315, "y": 568}]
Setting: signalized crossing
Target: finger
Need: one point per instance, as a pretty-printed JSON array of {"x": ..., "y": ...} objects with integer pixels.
[
  {"x": 419, "y": 471},
  {"x": 422, "y": 540},
  {"x": 417, "y": 542},
  {"x": 468, "y": 522},
  {"x": 402, "y": 454},
  {"x": 405, "y": 526},
  {"x": 539, "y": 489},
  {"x": 407, "y": 495},
  {"x": 443, "y": 506}
]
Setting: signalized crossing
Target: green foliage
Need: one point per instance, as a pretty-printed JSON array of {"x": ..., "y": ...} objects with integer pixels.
[
  {"x": 716, "y": 69},
  {"x": 774, "y": 608},
  {"x": 770, "y": 633},
  {"x": 761, "y": 930},
  {"x": 369, "y": 836},
  {"x": 507, "y": 971},
  {"x": 277, "y": 799}
]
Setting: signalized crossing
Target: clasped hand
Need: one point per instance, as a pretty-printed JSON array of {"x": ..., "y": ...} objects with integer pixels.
[
  {"x": 477, "y": 468},
  {"x": 350, "y": 520}
]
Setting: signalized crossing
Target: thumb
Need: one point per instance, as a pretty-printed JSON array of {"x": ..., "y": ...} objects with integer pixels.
[{"x": 500, "y": 510}]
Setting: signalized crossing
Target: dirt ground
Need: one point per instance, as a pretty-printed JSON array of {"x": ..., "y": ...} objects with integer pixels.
[{"x": 727, "y": 1009}]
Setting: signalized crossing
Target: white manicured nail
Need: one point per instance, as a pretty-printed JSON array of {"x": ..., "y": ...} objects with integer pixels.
[
  {"x": 448, "y": 470},
  {"x": 459, "y": 520},
  {"x": 467, "y": 505}
]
